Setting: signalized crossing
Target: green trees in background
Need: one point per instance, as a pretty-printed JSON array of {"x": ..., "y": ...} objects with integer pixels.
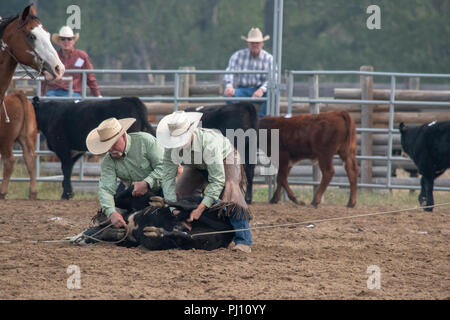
[{"x": 318, "y": 34}]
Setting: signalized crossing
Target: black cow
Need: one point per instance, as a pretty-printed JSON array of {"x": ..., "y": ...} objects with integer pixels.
[
  {"x": 235, "y": 116},
  {"x": 67, "y": 124},
  {"x": 429, "y": 147},
  {"x": 156, "y": 228}
]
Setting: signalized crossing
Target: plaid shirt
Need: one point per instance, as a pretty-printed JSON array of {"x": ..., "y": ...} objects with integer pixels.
[{"x": 242, "y": 60}]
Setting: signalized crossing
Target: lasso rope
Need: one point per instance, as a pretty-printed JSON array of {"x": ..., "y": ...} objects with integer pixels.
[
  {"x": 318, "y": 220},
  {"x": 237, "y": 230}
]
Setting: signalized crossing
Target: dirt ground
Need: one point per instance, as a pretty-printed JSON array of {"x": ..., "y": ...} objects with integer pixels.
[{"x": 332, "y": 260}]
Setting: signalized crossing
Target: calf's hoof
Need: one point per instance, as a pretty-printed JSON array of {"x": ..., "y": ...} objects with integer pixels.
[
  {"x": 273, "y": 201},
  {"x": 2, "y": 196},
  {"x": 33, "y": 196},
  {"x": 153, "y": 232},
  {"x": 314, "y": 204},
  {"x": 66, "y": 196},
  {"x": 428, "y": 209},
  {"x": 351, "y": 205},
  {"x": 298, "y": 202}
]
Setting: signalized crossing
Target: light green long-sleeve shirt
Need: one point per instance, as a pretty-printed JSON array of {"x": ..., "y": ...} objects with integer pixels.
[
  {"x": 142, "y": 161},
  {"x": 208, "y": 150}
]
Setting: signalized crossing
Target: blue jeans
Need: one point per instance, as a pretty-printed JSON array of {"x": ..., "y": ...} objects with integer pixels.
[
  {"x": 61, "y": 93},
  {"x": 248, "y": 92},
  {"x": 243, "y": 237}
]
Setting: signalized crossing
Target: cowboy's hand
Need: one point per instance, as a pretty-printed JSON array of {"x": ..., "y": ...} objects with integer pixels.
[
  {"x": 140, "y": 188},
  {"x": 258, "y": 93},
  {"x": 117, "y": 220},
  {"x": 195, "y": 215},
  {"x": 229, "y": 91}
]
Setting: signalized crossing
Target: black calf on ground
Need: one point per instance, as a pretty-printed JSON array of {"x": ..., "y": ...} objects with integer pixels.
[{"x": 156, "y": 228}]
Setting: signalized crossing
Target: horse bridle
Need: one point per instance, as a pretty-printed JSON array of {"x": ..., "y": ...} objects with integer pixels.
[{"x": 4, "y": 47}]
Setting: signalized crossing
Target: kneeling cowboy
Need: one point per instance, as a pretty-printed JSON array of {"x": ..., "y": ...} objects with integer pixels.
[
  {"x": 211, "y": 167},
  {"x": 134, "y": 158}
]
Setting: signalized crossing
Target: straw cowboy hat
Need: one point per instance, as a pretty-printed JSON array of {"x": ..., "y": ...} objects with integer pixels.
[
  {"x": 255, "y": 35},
  {"x": 174, "y": 130},
  {"x": 65, "y": 32},
  {"x": 102, "y": 138}
]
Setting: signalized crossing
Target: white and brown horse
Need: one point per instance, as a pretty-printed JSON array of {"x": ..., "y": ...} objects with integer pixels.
[{"x": 24, "y": 41}]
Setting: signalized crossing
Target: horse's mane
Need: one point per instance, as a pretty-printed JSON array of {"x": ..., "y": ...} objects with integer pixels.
[{"x": 4, "y": 23}]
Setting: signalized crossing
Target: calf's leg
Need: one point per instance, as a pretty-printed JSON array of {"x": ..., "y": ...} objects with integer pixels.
[
  {"x": 67, "y": 164},
  {"x": 429, "y": 185},
  {"x": 351, "y": 167},
  {"x": 249, "y": 173},
  {"x": 326, "y": 166},
  {"x": 282, "y": 181}
]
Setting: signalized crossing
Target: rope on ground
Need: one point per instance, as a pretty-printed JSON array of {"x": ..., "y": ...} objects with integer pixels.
[
  {"x": 237, "y": 230},
  {"x": 319, "y": 220}
]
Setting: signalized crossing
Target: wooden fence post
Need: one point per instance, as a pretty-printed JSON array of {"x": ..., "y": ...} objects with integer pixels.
[
  {"x": 186, "y": 80},
  {"x": 414, "y": 83},
  {"x": 160, "y": 79},
  {"x": 314, "y": 109},
  {"x": 366, "y": 83}
]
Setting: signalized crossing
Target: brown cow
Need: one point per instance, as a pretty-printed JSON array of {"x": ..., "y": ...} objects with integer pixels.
[
  {"x": 316, "y": 137},
  {"x": 23, "y": 129}
]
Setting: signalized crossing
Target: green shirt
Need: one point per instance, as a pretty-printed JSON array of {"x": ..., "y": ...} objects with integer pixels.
[
  {"x": 208, "y": 150},
  {"x": 141, "y": 161}
]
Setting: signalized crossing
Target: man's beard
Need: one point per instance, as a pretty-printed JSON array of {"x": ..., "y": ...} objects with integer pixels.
[{"x": 116, "y": 154}]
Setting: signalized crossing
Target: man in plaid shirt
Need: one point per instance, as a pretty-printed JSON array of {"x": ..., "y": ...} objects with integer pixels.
[{"x": 252, "y": 58}]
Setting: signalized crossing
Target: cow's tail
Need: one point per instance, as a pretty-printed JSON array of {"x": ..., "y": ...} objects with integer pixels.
[
  {"x": 143, "y": 116},
  {"x": 351, "y": 133}
]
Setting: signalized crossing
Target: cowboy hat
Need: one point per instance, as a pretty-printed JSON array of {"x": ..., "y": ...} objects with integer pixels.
[
  {"x": 102, "y": 138},
  {"x": 174, "y": 130},
  {"x": 65, "y": 32},
  {"x": 255, "y": 35}
]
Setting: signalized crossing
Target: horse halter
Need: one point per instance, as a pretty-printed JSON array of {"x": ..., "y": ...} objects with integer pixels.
[{"x": 4, "y": 47}]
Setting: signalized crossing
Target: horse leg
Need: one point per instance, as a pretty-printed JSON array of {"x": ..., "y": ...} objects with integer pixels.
[
  {"x": 327, "y": 169},
  {"x": 8, "y": 167},
  {"x": 29, "y": 155}
]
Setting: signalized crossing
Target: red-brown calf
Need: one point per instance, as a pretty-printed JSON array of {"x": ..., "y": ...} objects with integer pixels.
[{"x": 316, "y": 137}]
